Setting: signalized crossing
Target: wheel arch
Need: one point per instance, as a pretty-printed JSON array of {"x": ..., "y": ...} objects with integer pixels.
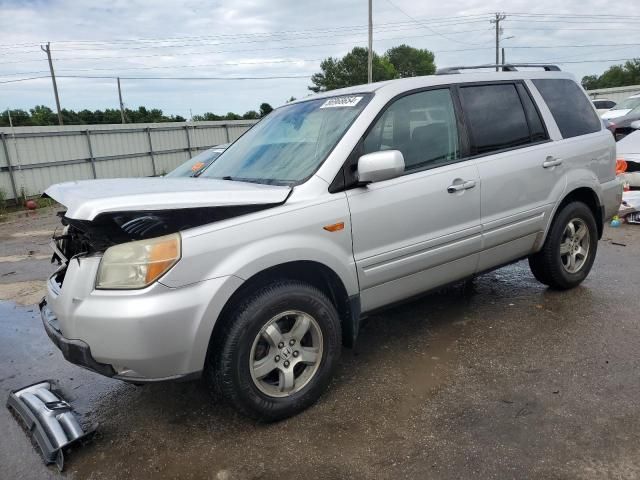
[
  {"x": 589, "y": 197},
  {"x": 312, "y": 272}
]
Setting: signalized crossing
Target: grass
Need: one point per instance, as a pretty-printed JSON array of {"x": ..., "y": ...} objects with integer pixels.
[{"x": 3, "y": 202}]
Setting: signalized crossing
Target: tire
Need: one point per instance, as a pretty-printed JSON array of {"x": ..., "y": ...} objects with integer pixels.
[
  {"x": 247, "y": 347},
  {"x": 553, "y": 265}
]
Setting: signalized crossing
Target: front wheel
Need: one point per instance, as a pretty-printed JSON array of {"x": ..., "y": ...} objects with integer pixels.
[
  {"x": 278, "y": 351},
  {"x": 570, "y": 249}
]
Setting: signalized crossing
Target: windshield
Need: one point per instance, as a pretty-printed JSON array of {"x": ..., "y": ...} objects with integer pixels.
[
  {"x": 628, "y": 104},
  {"x": 196, "y": 164},
  {"x": 289, "y": 145}
]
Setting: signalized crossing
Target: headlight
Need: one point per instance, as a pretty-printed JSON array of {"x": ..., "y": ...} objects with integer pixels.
[{"x": 138, "y": 264}]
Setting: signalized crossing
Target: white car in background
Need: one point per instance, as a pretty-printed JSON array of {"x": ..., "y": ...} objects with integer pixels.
[
  {"x": 623, "y": 108},
  {"x": 198, "y": 164},
  {"x": 628, "y": 151},
  {"x": 603, "y": 104}
]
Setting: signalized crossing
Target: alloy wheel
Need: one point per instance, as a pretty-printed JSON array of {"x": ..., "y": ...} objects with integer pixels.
[
  {"x": 286, "y": 354},
  {"x": 575, "y": 244}
]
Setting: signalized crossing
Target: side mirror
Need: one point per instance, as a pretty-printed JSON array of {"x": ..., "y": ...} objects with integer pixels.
[
  {"x": 635, "y": 125},
  {"x": 379, "y": 166}
]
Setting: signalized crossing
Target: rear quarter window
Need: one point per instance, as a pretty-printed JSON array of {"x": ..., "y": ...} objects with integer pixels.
[
  {"x": 495, "y": 116},
  {"x": 570, "y": 107}
]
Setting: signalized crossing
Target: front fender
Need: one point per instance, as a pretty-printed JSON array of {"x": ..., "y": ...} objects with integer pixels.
[{"x": 269, "y": 238}]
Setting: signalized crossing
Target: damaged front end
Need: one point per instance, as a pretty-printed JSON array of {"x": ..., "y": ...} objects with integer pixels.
[
  {"x": 95, "y": 236},
  {"x": 103, "y": 213}
]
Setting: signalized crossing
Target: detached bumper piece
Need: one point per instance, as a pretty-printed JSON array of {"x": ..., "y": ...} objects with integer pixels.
[{"x": 49, "y": 419}]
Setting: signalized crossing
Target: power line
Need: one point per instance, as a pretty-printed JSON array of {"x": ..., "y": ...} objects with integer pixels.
[
  {"x": 424, "y": 25},
  {"x": 106, "y": 77},
  {"x": 274, "y": 77},
  {"x": 454, "y": 19},
  {"x": 24, "y": 79},
  {"x": 288, "y": 47},
  {"x": 306, "y": 60},
  {"x": 189, "y": 45}
]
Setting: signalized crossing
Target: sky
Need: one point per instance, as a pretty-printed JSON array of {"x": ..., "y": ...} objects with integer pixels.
[{"x": 275, "y": 38}]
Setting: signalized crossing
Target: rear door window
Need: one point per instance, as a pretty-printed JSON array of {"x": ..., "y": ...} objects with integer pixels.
[
  {"x": 570, "y": 107},
  {"x": 495, "y": 117}
]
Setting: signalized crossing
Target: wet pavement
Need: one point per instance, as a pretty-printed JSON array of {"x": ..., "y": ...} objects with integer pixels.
[{"x": 494, "y": 378}]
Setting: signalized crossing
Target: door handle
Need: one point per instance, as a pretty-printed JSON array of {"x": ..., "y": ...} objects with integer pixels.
[
  {"x": 551, "y": 162},
  {"x": 458, "y": 187}
]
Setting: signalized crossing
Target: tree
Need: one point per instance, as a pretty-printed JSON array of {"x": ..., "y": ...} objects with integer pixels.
[
  {"x": 411, "y": 62},
  {"x": 43, "y": 115},
  {"x": 265, "y": 109},
  {"x": 615, "y": 76},
  {"x": 251, "y": 115},
  {"x": 350, "y": 70},
  {"x": 19, "y": 118}
]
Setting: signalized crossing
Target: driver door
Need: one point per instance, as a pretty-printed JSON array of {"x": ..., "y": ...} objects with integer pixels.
[{"x": 422, "y": 229}]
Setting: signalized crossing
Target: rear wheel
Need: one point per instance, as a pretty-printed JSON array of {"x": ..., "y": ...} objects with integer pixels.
[
  {"x": 278, "y": 351},
  {"x": 569, "y": 250}
]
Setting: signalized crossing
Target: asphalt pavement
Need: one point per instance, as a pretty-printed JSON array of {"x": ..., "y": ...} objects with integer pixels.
[{"x": 498, "y": 378}]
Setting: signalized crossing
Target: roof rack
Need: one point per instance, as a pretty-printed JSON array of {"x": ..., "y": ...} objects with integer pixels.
[{"x": 508, "y": 67}]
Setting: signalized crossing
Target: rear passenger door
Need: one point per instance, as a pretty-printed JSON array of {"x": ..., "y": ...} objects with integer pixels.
[{"x": 521, "y": 175}]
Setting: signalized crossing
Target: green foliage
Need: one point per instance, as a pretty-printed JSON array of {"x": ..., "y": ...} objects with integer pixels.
[
  {"x": 3, "y": 201},
  {"x": 350, "y": 70},
  {"x": 43, "y": 115},
  {"x": 265, "y": 109},
  {"x": 411, "y": 62},
  {"x": 615, "y": 76},
  {"x": 44, "y": 202},
  {"x": 251, "y": 115},
  {"x": 22, "y": 198},
  {"x": 397, "y": 62}
]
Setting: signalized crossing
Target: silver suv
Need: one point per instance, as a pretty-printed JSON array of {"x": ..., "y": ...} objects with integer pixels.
[{"x": 255, "y": 274}]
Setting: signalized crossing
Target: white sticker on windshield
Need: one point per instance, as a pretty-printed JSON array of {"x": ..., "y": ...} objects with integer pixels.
[{"x": 347, "y": 101}]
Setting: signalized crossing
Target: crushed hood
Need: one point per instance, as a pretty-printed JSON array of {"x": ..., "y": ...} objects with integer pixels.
[{"x": 87, "y": 199}]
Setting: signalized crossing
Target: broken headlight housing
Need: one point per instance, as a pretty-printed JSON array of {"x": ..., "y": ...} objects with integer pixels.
[{"x": 138, "y": 264}]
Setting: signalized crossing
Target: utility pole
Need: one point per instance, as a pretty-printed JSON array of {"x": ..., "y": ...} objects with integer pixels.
[
  {"x": 498, "y": 19},
  {"x": 47, "y": 50},
  {"x": 503, "y": 62},
  {"x": 121, "y": 104},
  {"x": 370, "y": 58}
]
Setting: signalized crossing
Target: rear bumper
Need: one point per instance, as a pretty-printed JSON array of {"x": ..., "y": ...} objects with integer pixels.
[
  {"x": 611, "y": 198},
  {"x": 74, "y": 351}
]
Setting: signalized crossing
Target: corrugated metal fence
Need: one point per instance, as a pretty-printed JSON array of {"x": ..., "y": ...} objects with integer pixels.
[{"x": 32, "y": 158}]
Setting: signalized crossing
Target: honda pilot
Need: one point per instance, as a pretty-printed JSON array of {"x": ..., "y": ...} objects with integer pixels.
[{"x": 255, "y": 274}]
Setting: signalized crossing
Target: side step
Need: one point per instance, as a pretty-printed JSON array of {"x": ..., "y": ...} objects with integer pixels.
[{"x": 49, "y": 419}]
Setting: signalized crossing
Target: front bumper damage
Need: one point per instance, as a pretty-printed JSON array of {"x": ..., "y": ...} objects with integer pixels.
[
  {"x": 74, "y": 351},
  {"x": 49, "y": 419}
]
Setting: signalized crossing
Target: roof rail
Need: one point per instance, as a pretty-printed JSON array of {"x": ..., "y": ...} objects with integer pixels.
[{"x": 508, "y": 67}]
